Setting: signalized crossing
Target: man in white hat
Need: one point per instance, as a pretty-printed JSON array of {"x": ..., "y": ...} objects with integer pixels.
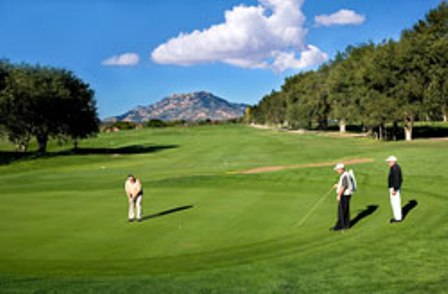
[
  {"x": 134, "y": 192},
  {"x": 394, "y": 183},
  {"x": 344, "y": 193}
]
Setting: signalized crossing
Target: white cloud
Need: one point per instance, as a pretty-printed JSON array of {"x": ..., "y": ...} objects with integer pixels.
[
  {"x": 269, "y": 35},
  {"x": 126, "y": 59},
  {"x": 309, "y": 57},
  {"x": 342, "y": 17}
]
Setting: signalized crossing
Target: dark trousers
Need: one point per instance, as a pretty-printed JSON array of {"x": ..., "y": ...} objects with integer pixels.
[{"x": 344, "y": 213}]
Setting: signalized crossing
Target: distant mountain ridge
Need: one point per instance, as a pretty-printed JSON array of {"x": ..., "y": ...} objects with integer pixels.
[{"x": 195, "y": 106}]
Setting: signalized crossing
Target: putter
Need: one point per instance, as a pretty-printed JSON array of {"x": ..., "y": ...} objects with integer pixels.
[{"x": 307, "y": 215}]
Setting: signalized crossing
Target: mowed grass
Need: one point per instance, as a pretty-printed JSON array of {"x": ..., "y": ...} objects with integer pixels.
[{"x": 209, "y": 229}]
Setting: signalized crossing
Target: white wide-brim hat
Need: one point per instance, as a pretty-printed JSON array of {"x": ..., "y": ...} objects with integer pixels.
[
  {"x": 391, "y": 158},
  {"x": 339, "y": 166}
]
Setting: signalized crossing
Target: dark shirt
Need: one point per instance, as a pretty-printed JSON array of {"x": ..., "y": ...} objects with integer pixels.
[{"x": 395, "y": 177}]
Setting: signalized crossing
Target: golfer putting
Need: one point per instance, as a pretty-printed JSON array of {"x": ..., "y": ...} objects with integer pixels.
[{"x": 134, "y": 192}]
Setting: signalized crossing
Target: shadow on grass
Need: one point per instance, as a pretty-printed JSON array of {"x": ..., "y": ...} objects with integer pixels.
[
  {"x": 363, "y": 214},
  {"x": 408, "y": 207},
  {"x": 427, "y": 130},
  {"x": 430, "y": 132},
  {"x": 166, "y": 212},
  {"x": 7, "y": 157},
  {"x": 133, "y": 149}
]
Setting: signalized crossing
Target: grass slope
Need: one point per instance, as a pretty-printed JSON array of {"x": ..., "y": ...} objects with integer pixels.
[{"x": 63, "y": 225}]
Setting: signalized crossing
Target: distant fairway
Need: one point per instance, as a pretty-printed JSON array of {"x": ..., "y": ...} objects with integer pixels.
[{"x": 207, "y": 229}]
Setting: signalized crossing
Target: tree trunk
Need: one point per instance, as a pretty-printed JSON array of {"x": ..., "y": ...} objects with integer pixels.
[
  {"x": 22, "y": 148},
  {"x": 42, "y": 141},
  {"x": 394, "y": 131},
  {"x": 342, "y": 126},
  {"x": 371, "y": 131},
  {"x": 323, "y": 123},
  {"x": 310, "y": 125},
  {"x": 22, "y": 143},
  {"x": 75, "y": 144},
  {"x": 444, "y": 113},
  {"x": 408, "y": 124},
  {"x": 380, "y": 132}
]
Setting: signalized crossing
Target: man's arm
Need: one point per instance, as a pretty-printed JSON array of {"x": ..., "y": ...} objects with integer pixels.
[
  {"x": 138, "y": 187},
  {"x": 340, "y": 193},
  {"x": 128, "y": 189},
  {"x": 396, "y": 179}
]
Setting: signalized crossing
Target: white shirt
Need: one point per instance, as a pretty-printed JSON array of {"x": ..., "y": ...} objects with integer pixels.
[
  {"x": 344, "y": 181},
  {"x": 133, "y": 189}
]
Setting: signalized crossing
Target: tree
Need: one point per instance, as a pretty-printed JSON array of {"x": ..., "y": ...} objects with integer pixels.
[
  {"x": 15, "y": 107},
  {"x": 77, "y": 111},
  {"x": 248, "y": 118},
  {"x": 376, "y": 85},
  {"x": 296, "y": 95},
  {"x": 46, "y": 103},
  {"x": 321, "y": 90},
  {"x": 156, "y": 123},
  {"x": 378, "y": 104},
  {"x": 271, "y": 109},
  {"x": 439, "y": 74},
  {"x": 435, "y": 28},
  {"x": 306, "y": 99},
  {"x": 5, "y": 69},
  {"x": 423, "y": 63},
  {"x": 343, "y": 97},
  {"x": 292, "y": 100}
]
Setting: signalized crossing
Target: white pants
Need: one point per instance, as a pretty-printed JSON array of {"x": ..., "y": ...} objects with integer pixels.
[
  {"x": 395, "y": 202},
  {"x": 135, "y": 208}
]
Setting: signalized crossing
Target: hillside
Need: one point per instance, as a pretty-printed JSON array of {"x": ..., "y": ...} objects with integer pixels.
[{"x": 190, "y": 107}]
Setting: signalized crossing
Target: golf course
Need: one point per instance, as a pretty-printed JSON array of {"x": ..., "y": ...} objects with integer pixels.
[{"x": 210, "y": 226}]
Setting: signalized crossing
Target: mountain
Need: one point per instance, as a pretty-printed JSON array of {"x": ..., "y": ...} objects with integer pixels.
[{"x": 190, "y": 107}]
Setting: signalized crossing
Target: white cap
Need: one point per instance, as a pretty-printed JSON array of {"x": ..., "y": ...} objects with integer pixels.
[
  {"x": 339, "y": 166},
  {"x": 391, "y": 158}
]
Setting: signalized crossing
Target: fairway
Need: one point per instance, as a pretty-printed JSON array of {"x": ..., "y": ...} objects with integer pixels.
[{"x": 210, "y": 227}]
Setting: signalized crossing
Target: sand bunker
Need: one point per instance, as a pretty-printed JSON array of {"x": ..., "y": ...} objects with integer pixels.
[{"x": 266, "y": 169}]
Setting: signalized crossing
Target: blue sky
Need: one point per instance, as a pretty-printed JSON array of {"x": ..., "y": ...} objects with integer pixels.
[{"x": 240, "y": 56}]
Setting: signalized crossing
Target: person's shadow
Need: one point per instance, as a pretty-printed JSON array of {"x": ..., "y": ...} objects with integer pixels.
[
  {"x": 363, "y": 214},
  {"x": 408, "y": 207},
  {"x": 165, "y": 212}
]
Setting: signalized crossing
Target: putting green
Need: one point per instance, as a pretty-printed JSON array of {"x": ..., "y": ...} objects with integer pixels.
[{"x": 63, "y": 219}]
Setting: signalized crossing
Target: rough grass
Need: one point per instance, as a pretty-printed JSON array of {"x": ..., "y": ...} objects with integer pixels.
[{"x": 63, "y": 225}]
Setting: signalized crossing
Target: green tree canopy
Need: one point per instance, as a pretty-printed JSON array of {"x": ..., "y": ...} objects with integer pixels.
[
  {"x": 45, "y": 102},
  {"x": 373, "y": 85}
]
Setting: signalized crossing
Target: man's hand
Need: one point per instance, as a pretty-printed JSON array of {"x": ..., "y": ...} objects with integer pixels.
[{"x": 338, "y": 197}]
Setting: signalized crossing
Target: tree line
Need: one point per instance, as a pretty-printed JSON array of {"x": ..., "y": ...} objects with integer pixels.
[
  {"x": 44, "y": 102},
  {"x": 393, "y": 83},
  {"x": 158, "y": 123}
]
